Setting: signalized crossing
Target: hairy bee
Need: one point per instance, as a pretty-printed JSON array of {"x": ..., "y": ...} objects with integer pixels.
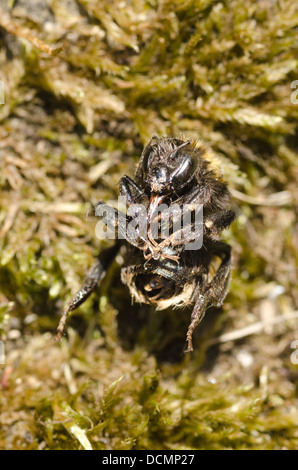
[{"x": 178, "y": 176}]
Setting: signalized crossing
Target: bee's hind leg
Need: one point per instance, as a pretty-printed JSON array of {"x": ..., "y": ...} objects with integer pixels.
[
  {"x": 92, "y": 280},
  {"x": 214, "y": 293}
]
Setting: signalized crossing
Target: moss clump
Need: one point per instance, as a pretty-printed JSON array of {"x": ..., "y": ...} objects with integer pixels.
[{"x": 86, "y": 85}]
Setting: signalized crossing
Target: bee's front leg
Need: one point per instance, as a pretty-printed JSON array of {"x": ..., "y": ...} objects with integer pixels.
[
  {"x": 124, "y": 227},
  {"x": 132, "y": 192}
]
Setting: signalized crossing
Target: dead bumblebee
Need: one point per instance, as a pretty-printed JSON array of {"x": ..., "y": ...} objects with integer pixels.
[{"x": 164, "y": 265}]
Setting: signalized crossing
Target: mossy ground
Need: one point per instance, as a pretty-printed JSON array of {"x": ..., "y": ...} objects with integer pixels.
[{"x": 74, "y": 121}]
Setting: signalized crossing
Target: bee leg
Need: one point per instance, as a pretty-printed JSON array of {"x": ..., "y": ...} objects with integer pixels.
[
  {"x": 197, "y": 316},
  {"x": 92, "y": 280},
  {"x": 119, "y": 223},
  {"x": 184, "y": 209},
  {"x": 180, "y": 208},
  {"x": 220, "y": 283},
  {"x": 132, "y": 192},
  {"x": 191, "y": 234},
  {"x": 214, "y": 293},
  {"x": 217, "y": 222}
]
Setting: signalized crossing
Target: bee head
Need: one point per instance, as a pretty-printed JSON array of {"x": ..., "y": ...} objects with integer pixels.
[{"x": 166, "y": 165}]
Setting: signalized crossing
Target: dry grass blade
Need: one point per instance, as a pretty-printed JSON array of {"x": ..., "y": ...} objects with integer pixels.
[
  {"x": 277, "y": 199},
  {"x": 12, "y": 27},
  {"x": 253, "y": 329}
]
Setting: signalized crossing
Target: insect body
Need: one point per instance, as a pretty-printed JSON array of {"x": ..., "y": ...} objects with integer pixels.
[{"x": 170, "y": 269}]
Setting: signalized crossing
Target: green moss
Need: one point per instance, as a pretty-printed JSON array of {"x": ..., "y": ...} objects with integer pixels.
[{"x": 87, "y": 83}]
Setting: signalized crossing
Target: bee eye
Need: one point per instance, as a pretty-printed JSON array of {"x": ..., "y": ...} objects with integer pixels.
[{"x": 185, "y": 171}]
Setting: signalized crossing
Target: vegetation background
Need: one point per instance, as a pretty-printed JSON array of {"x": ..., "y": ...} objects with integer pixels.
[{"x": 87, "y": 83}]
